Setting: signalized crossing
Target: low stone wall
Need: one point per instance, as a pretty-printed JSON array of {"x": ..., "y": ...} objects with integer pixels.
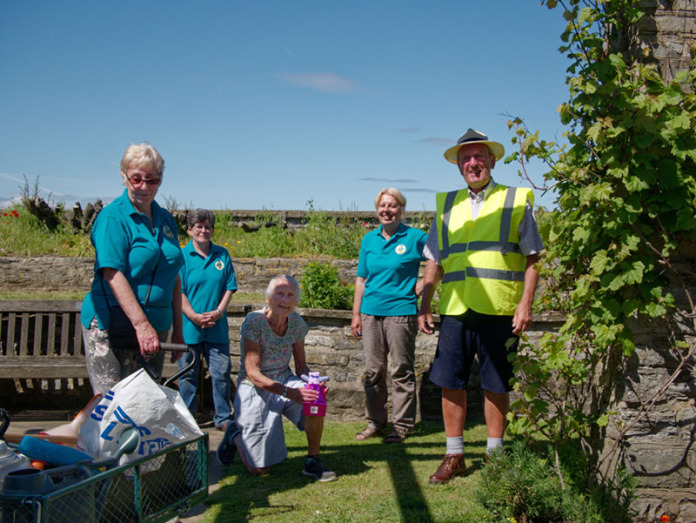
[{"x": 56, "y": 273}]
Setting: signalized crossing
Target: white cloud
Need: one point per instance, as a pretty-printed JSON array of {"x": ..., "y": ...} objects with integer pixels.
[
  {"x": 434, "y": 140},
  {"x": 323, "y": 82}
]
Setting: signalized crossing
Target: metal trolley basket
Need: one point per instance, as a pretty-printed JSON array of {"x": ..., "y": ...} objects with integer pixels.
[{"x": 152, "y": 489}]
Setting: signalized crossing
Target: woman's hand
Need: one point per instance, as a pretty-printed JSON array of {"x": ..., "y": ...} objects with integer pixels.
[
  {"x": 210, "y": 318},
  {"x": 204, "y": 320},
  {"x": 356, "y": 325},
  {"x": 147, "y": 338},
  {"x": 302, "y": 395}
]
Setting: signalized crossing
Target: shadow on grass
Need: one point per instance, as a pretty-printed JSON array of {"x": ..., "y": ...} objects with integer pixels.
[{"x": 362, "y": 468}]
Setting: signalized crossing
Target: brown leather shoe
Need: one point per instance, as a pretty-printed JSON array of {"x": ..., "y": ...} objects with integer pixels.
[{"x": 452, "y": 465}]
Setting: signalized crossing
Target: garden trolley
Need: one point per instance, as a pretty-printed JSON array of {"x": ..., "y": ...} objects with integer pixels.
[{"x": 153, "y": 488}]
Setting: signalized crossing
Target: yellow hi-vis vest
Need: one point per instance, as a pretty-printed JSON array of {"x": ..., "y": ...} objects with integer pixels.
[{"x": 481, "y": 259}]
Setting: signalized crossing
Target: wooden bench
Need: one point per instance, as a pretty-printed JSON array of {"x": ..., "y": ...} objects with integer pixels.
[{"x": 42, "y": 339}]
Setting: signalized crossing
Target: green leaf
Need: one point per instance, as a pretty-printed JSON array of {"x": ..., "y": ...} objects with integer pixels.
[
  {"x": 599, "y": 262},
  {"x": 634, "y": 274},
  {"x": 581, "y": 234},
  {"x": 635, "y": 184},
  {"x": 656, "y": 310}
]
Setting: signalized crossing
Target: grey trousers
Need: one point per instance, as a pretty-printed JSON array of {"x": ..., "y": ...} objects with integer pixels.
[{"x": 394, "y": 338}]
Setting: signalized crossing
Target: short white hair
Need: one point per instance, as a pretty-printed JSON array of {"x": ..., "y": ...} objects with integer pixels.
[{"x": 274, "y": 281}]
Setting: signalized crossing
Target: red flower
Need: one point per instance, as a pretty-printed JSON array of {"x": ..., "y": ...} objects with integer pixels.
[
  {"x": 664, "y": 517},
  {"x": 4, "y": 214}
]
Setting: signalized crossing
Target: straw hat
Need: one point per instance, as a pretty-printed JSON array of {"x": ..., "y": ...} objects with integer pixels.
[{"x": 469, "y": 137}]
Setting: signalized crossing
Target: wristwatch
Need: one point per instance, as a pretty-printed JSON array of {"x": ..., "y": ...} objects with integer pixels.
[{"x": 285, "y": 392}]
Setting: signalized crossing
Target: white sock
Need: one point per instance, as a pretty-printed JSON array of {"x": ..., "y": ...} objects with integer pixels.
[
  {"x": 494, "y": 445},
  {"x": 455, "y": 445}
]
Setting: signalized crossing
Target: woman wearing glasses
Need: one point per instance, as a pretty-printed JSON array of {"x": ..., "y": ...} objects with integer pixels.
[
  {"x": 136, "y": 269},
  {"x": 207, "y": 284}
]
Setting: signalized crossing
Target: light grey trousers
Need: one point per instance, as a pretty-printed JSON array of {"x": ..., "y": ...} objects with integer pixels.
[{"x": 390, "y": 338}]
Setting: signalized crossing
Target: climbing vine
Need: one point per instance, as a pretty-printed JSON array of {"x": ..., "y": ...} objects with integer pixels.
[{"x": 622, "y": 240}]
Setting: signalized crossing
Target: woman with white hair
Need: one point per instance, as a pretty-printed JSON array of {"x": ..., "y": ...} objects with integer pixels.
[
  {"x": 385, "y": 316},
  {"x": 267, "y": 389},
  {"x": 136, "y": 275}
]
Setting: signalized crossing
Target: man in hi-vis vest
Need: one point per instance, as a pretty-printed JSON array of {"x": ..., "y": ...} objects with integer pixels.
[{"x": 482, "y": 247}]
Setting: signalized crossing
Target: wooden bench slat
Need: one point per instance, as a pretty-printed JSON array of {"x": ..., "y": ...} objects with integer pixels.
[
  {"x": 3, "y": 346},
  {"x": 38, "y": 332},
  {"x": 78, "y": 334},
  {"x": 40, "y": 305},
  {"x": 64, "y": 334},
  {"x": 51, "y": 334},
  {"x": 24, "y": 335},
  {"x": 43, "y": 367},
  {"x": 11, "y": 317}
]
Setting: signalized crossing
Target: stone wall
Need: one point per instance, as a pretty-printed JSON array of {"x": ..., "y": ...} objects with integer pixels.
[
  {"x": 658, "y": 449},
  {"x": 55, "y": 273},
  {"x": 669, "y": 31}
]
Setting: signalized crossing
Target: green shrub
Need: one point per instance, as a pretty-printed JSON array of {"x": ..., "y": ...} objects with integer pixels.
[
  {"x": 522, "y": 484},
  {"x": 322, "y": 288}
]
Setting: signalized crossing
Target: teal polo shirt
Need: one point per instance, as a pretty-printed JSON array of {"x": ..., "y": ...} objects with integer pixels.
[
  {"x": 390, "y": 268},
  {"x": 124, "y": 240},
  {"x": 204, "y": 281}
]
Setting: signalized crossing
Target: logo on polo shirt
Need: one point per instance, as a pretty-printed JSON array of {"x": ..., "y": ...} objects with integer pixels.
[
  {"x": 167, "y": 232},
  {"x": 400, "y": 249},
  {"x": 219, "y": 265}
]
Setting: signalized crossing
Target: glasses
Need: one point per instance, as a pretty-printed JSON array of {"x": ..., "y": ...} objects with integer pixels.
[
  {"x": 199, "y": 227},
  {"x": 137, "y": 180}
]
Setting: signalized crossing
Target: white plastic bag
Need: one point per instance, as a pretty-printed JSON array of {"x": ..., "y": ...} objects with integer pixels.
[{"x": 158, "y": 413}]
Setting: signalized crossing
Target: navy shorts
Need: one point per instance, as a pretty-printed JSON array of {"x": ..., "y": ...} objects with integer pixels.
[{"x": 474, "y": 334}]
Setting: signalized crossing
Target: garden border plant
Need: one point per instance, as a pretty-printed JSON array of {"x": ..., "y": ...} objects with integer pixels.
[{"x": 625, "y": 223}]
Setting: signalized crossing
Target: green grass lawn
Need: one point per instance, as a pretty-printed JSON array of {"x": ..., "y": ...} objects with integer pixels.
[{"x": 377, "y": 482}]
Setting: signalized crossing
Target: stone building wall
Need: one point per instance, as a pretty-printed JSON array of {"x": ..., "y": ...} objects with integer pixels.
[
  {"x": 658, "y": 451},
  {"x": 669, "y": 31}
]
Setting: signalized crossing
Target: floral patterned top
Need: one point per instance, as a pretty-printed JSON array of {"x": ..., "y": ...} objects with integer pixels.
[{"x": 276, "y": 351}]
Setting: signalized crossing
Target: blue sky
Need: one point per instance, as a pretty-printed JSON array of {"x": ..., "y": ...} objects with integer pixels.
[{"x": 270, "y": 103}]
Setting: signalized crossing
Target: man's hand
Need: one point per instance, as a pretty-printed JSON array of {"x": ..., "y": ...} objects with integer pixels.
[
  {"x": 522, "y": 318},
  {"x": 425, "y": 322}
]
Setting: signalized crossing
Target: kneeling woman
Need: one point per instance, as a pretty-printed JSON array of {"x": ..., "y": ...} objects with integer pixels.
[{"x": 267, "y": 389}]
